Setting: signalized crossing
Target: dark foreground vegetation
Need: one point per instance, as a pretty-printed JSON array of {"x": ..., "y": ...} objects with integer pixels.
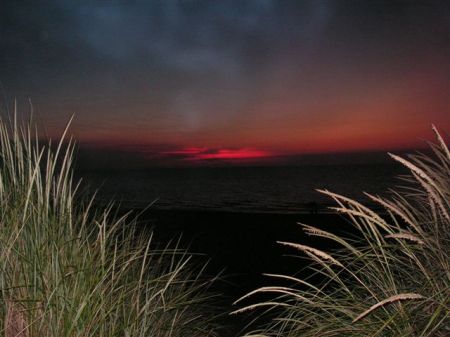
[{"x": 67, "y": 269}]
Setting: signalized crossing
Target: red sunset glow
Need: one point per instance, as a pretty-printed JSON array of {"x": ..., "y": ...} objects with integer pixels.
[
  {"x": 200, "y": 154},
  {"x": 232, "y": 154}
]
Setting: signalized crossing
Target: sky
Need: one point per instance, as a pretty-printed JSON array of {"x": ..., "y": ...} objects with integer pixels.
[{"x": 199, "y": 81}]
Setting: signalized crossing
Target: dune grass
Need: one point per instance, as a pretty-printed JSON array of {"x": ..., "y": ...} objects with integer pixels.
[
  {"x": 392, "y": 278},
  {"x": 67, "y": 269}
]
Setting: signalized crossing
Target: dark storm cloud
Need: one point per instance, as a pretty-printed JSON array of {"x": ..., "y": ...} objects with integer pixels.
[
  {"x": 195, "y": 36},
  {"x": 192, "y": 35},
  {"x": 80, "y": 41},
  {"x": 227, "y": 38}
]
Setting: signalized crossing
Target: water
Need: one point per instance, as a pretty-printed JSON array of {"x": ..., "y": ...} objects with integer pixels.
[{"x": 241, "y": 189}]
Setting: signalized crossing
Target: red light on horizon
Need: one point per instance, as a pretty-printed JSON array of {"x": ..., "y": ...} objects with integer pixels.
[
  {"x": 185, "y": 151},
  {"x": 201, "y": 153},
  {"x": 233, "y": 154}
]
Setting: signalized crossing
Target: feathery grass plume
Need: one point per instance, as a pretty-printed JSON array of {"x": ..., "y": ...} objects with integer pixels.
[
  {"x": 393, "y": 280},
  {"x": 406, "y": 236},
  {"x": 395, "y": 298},
  {"x": 68, "y": 270},
  {"x": 312, "y": 252}
]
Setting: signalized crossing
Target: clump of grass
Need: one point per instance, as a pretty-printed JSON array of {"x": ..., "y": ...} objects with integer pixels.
[
  {"x": 67, "y": 269},
  {"x": 393, "y": 279}
]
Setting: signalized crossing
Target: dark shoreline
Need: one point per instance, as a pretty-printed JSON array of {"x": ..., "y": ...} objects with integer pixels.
[
  {"x": 240, "y": 246},
  {"x": 239, "y": 242}
]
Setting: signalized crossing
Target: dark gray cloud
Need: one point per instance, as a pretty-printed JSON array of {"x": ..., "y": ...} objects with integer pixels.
[
  {"x": 188, "y": 49},
  {"x": 192, "y": 36}
]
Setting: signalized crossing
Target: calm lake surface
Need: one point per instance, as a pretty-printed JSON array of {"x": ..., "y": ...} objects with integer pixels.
[{"x": 240, "y": 189}]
